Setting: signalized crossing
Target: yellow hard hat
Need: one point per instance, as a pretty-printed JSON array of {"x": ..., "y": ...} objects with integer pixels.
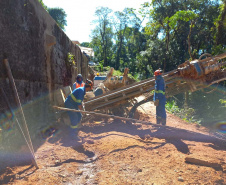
[{"x": 98, "y": 74}]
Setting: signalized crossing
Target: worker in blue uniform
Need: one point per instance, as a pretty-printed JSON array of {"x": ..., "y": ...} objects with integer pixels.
[
  {"x": 79, "y": 82},
  {"x": 74, "y": 101},
  {"x": 160, "y": 98}
]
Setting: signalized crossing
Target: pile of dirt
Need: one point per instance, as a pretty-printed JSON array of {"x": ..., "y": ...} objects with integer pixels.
[{"x": 114, "y": 152}]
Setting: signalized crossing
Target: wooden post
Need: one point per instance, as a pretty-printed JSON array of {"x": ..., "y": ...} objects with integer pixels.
[{"x": 16, "y": 97}]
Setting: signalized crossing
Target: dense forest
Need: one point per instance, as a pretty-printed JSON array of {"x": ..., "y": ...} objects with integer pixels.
[{"x": 175, "y": 31}]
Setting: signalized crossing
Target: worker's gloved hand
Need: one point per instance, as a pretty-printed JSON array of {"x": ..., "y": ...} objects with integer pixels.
[{"x": 156, "y": 102}]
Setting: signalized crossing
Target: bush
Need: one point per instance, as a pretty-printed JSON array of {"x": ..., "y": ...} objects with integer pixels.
[{"x": 187, "y": 114}]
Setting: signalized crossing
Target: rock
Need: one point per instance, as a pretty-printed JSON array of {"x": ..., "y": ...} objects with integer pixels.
[
  {"x": 180, "y": 179},
  {"x": 79, "y": 172},
  {"x": 57, "y": 161},
  {"x": 62, "y": 175},
  {"x": 139, "y": 170}
]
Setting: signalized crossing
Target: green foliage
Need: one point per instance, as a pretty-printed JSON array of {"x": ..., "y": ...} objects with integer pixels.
[
  {"x": 59, "y": 15},
  {"x": 117, "y": 73},
  {"x": 187, "y": 114},
  {"x": 223, "y": 101},
  {"x": 120, "y": 41},
  {"x": 70, "y": 59},
  {"x": 183, "y": 16},
  {"x": 44, "y": 6},
  {"x": 85, "y": 44},
  {"x": 220, "y": 23},
  {"x": 172, "y": 107}
]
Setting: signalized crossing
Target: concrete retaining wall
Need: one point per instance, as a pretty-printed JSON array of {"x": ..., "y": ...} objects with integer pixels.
[{"x": 37, "y": 51}]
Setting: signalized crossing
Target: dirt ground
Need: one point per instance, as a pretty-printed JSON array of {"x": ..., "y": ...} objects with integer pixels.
[{"x": 114, "y": 152}]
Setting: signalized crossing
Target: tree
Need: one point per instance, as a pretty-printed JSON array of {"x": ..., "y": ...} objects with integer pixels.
[
  {"x": 187, "y": 16},
  {"x": 59, "y": 15},
  {"x": 221, "y": 26},
  {"x": 182, "y": 41},
  {"x": 122, "y": 21},
  {"x": 85, "y": 44},
  {"x": 102, "y": 34}
]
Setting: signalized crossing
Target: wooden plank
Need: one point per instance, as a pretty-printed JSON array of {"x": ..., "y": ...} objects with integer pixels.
[{"x": 203, "y": 162}]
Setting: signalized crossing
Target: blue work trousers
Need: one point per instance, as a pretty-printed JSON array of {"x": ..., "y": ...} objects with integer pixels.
[
  {"x": 161, "y": 110},
  {"x": 75, "y": 117}
]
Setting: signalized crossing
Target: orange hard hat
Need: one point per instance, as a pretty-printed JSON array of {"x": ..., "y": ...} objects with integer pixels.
[
  {"x": 89, "y": 83},
  {"x": 158, "y": 72}
]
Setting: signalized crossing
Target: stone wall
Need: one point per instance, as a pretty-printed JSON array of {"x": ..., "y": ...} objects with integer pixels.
[{"x": 36, "y": 49}]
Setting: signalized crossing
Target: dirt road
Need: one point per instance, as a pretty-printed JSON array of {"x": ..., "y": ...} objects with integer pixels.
[{"x": 115, "y": 152}]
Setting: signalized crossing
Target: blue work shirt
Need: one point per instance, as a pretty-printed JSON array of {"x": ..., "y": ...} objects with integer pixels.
[
  {"x": 76, "y": 97},
  {"x": 159, "y": 89}
]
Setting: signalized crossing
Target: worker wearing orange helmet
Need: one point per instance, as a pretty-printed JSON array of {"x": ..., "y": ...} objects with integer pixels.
[
  {"x": 160, "y": 98},
  {"x": 74, "y": 101}
]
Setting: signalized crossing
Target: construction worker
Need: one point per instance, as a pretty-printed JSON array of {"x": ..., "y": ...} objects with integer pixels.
[
  {"x": 159, "y": 98},
  {"x": 74, "y": 101},
  {"x": 79, "y": 82}
]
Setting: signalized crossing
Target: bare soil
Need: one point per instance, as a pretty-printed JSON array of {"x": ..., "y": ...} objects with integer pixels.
[{"x": 115, "y": 152}]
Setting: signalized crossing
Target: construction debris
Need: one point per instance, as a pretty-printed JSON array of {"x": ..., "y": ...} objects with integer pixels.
[{"x": 203, "y": 162}]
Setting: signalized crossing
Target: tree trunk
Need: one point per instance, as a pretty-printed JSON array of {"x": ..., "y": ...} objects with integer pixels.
[{"x": 189, "y": 42}]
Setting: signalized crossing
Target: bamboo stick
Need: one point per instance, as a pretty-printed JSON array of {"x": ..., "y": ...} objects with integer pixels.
[
  {"x": 105, "y": 115},
  {"x": 16, "y": 97}
]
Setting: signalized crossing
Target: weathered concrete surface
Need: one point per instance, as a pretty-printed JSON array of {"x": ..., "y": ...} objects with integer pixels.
[{"x": 37, "y": 51}]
